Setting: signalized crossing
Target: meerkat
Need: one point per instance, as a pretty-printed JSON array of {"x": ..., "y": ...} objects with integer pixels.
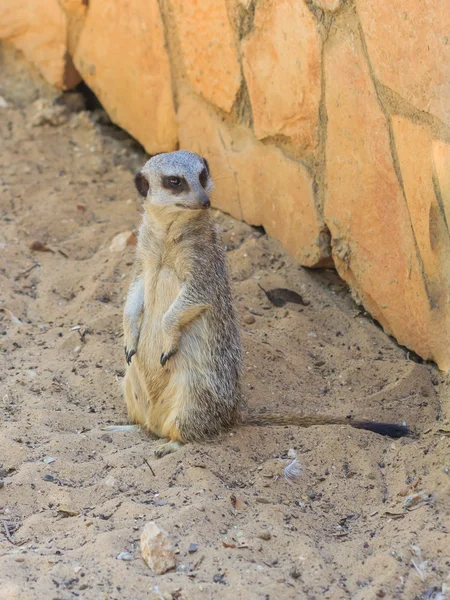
[{"x": 181, "y": 332}]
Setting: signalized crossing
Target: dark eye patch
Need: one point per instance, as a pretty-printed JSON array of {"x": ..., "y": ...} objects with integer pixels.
[
  {"x": 176, "y": 184},
  {"x": 141, "y": 183},
  {"x": 203, "y": 177}
]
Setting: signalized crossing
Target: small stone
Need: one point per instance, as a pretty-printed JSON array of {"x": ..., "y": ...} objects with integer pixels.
[
  {"x": 192, "y": 548},
  {"x": 414, "y": 501},
  {"x": 295, "y": 573},
  {"x": 157, "y": 549},
  {"x": 122, "y": 240},
  {"x": 238, "y": 503},
  {"x": 2, "y": 484},
  {"x": 249, "y": 319},
  {"x": 124, "y": 556},
  {"x": 48, "y": 460},
  {"x": 265, "y": 535},
  {"x": 73, "y": 101},
  {"x": 110, "y": 481},
  {"x": 49, "y": 477}
]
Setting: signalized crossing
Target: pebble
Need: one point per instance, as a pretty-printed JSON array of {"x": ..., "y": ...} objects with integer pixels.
[
  {"x": 249, "y": 319},
  {"x": 157, "y": 549},
  {"x": 122, "y": 240},
  {"x": 265, "y": 535},
  {"x": 192, "y": 548},
  {"x": 417, "y": 500},
  {"x": 49, "y": 478},
  {"x": 110, "y": 481},
  {"x": 124, "y": 556},
  {"x": 2, "y": 484}
]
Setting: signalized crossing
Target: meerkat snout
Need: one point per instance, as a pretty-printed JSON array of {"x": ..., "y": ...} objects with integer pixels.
[{"x": 176, "y": 180}]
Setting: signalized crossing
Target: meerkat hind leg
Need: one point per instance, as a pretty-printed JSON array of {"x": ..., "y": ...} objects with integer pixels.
[{"x": 168, "y": 448}]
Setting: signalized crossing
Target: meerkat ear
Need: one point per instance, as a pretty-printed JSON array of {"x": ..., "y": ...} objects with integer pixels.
[
  {"x": 141, "y": 183},
  {"x": 206, "y": 165}
]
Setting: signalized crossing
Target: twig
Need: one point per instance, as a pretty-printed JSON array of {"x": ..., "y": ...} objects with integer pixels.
[
  {"x": 8, "y": 535},
  {"x": 17, "y": 277},
  {"x": 150, "y": 467}
]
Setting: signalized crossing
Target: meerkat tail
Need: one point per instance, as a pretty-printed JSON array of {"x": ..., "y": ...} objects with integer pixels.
[{"x": 300, "y": 420}]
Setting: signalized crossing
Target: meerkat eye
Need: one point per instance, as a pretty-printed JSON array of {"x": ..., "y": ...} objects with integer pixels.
[
  {"x": 203, "y": 177},
  {"x": 174, "y": 182}
]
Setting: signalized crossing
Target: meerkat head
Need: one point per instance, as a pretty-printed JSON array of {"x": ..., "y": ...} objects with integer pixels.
[{"x": 176, "y": 180}]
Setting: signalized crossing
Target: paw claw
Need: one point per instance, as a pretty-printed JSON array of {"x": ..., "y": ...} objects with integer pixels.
[
  {"x": 129, "y": 355},
  {"x": 167, "y": 448},
  {"x": 166, "y": 356}
]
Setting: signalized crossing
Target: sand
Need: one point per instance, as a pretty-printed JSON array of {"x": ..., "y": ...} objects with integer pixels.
[{"x": 74, "y": 497}]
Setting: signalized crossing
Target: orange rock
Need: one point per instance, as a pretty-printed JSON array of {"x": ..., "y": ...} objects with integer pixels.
[
  {"x": 329, "y": 5},
  {"x": 39, "y": 30},
  {"x": 281, "y": 60},
  {"x": 75, "y": 11},
  {"x": 365, "y": 208},
  {"x": 209, "y": 50},
  {"x": 256, "y": 182},
  {"x": 121, "y": 55},
  {"x": 408, "y": 45},
  {"x": 427, "y": 217},
  {"x": 201, "y": 131},
  {"x": 441, "y": 156},
  {"x": 427, "y": 212},
  {"x": 277, "y": 192}
]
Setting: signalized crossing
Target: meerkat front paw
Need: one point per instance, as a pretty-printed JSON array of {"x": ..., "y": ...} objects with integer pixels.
[
  {"x": 129, "y": 355},
  {"x": 165, "y": 356}
]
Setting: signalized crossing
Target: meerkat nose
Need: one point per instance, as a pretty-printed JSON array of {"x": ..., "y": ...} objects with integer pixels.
[{"x": 204, "y": 200}]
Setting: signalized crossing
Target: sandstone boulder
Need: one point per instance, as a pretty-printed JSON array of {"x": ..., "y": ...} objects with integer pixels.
[
  {"x": 409, "y": 48},
  {"x": 373, "y": 238},
  {"x": 281, "y": 60},
  {"x": 328, "y": 5},
  {"x": 414, "y": 145},
  {"x": 208, "y": 49},
  {"x": 256, "y": 182},
  {"x": 75, "y": 11},
  {"x": 122, "y": 56},
  {"x": 39, "y": 30},
  {"x": 202, "y": 131},
  {"x": 441, "y": 158}
]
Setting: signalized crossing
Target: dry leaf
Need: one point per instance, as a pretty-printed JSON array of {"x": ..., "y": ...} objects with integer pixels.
[
  {"x": 38, "y": 246},
  {"x": 238, "y": 503}
]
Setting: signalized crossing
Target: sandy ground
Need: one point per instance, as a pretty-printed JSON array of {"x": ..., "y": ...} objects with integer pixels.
[{"x": 75, "y": 497}]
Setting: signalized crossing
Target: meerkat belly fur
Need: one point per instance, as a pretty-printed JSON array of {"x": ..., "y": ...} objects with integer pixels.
[{"x": 181, "y": 334}]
